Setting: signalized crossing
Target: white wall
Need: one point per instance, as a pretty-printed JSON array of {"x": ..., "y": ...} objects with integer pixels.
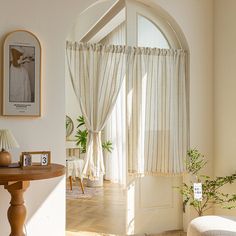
[
  {"x": 89, "y": 18},
  {"x": 51, "y": 22},
  {"x": 225, "y": 95}
]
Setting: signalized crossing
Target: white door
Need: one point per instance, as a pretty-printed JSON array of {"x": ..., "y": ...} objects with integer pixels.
[{"x": 153, "y": 204}]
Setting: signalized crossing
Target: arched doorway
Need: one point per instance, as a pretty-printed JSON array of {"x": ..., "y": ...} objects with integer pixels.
[{"x": 152, "y": 204}]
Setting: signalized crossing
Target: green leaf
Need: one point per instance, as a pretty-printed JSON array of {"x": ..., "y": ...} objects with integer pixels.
[
  {"x": 107, "y": 146},
  {"x": 82, "y": 136}
]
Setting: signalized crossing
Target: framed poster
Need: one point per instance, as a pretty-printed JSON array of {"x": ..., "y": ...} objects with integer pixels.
[{"x": 21, "y": 74}]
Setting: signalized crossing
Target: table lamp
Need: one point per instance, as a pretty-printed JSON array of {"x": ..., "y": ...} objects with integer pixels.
[{"x": 7, "y": 141}]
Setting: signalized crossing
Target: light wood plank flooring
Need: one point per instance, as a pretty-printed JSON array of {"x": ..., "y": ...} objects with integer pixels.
[{"x": 104, "y": 214}]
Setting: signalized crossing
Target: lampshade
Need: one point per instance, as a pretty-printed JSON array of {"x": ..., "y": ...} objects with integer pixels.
[{"x": 7, "y": 140}]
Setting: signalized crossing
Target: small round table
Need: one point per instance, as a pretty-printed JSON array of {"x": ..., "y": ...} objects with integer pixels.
[{"x": 16, "y": 181}]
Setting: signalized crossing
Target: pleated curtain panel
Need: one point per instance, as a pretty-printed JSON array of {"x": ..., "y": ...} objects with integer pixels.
[
  {"x": 96, "y": 72},
  {"x": 157, "y": 111},
  {"x": 156, "y": 103}
]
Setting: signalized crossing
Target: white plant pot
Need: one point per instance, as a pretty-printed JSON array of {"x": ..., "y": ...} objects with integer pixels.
[{"x": 95, "y": 183}]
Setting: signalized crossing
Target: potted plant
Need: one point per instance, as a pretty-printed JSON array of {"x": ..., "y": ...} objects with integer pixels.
[
  {"x": 81, "y": 141},
  {"x": 82, "y": 134},
  {"x": 211, "y": 187}
]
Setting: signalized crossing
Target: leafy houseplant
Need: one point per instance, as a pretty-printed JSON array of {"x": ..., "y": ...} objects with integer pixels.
[
  {"x": 211, "y": 188},
  {"x": 82, "y": 135}
]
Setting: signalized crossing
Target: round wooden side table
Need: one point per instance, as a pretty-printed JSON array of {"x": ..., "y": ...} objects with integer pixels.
[{"x": 16, "y": 181}]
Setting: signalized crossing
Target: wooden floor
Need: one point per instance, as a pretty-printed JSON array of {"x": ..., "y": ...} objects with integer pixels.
[{"x": 104, "y": 214}]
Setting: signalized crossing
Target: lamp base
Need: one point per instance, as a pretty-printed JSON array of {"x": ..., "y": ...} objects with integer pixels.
[{"x": 5, "y": 158}]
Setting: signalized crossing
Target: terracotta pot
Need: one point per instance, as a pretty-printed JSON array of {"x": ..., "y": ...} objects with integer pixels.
[{"x": 5, "y": 158}]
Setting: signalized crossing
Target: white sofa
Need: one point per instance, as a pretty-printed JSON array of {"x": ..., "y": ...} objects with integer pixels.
[{"x": 212, "y": 226}]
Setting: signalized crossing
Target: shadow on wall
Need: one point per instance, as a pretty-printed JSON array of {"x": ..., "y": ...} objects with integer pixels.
[
  {"x": 48, "y": 197},
  {"x": 50, "y": 202}
]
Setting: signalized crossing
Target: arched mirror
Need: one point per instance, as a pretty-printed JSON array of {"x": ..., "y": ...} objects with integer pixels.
[{"x": 69, "y": 126}]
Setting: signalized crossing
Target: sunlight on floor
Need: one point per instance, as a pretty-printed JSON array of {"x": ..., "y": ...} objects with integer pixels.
[
  {"x": 86, "y": 233},
  {"x": 101, "y": 214},
  {"x": 109, "y": 213}
]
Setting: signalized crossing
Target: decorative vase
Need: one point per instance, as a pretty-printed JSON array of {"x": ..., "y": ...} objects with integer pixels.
[{"x": 5, "y": 158}]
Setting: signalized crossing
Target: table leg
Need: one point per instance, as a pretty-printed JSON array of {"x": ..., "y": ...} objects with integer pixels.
[
  {"x": 70, "y": 178},
  {"x": 17, "y": 211},
  {"x": 81, "y": 185}
]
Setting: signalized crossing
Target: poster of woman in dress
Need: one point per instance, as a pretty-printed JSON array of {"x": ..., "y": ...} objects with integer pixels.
[{"x": 22, "y": 74}]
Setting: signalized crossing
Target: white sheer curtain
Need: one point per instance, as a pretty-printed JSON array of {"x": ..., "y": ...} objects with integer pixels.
[
  {"x": 156, "y": 103},
  {"x": 115, "y": 129},
  {"x": 96, "y": 72},
  {"x": 157, "y": 111}
]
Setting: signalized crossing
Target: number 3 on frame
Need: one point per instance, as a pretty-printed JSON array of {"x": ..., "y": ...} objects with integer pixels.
[{"x": 44, "y": 159}]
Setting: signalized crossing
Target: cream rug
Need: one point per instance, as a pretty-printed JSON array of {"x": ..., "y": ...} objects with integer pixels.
[{"x": 76, "y": 193}]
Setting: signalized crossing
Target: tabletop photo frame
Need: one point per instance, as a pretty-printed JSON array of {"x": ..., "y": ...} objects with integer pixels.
[
  {"x": 35, "y": 160},
  {"x": 21, "y": 75}
]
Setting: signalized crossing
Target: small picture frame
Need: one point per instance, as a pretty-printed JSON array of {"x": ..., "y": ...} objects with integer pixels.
[
  {"x": 26, "y": 160},
  {"x": 35, "y": 160},
  {"x": 21, "y": 75}
]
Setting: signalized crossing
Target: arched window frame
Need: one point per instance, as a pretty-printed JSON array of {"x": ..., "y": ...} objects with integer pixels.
[
  {"x": 118, "y": 13},
  {"x": 154, "y": 25},
  {"x": 155, "y": 15}
]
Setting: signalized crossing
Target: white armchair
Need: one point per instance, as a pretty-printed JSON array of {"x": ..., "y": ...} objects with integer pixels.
[{"x": 212, "y": 226}]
